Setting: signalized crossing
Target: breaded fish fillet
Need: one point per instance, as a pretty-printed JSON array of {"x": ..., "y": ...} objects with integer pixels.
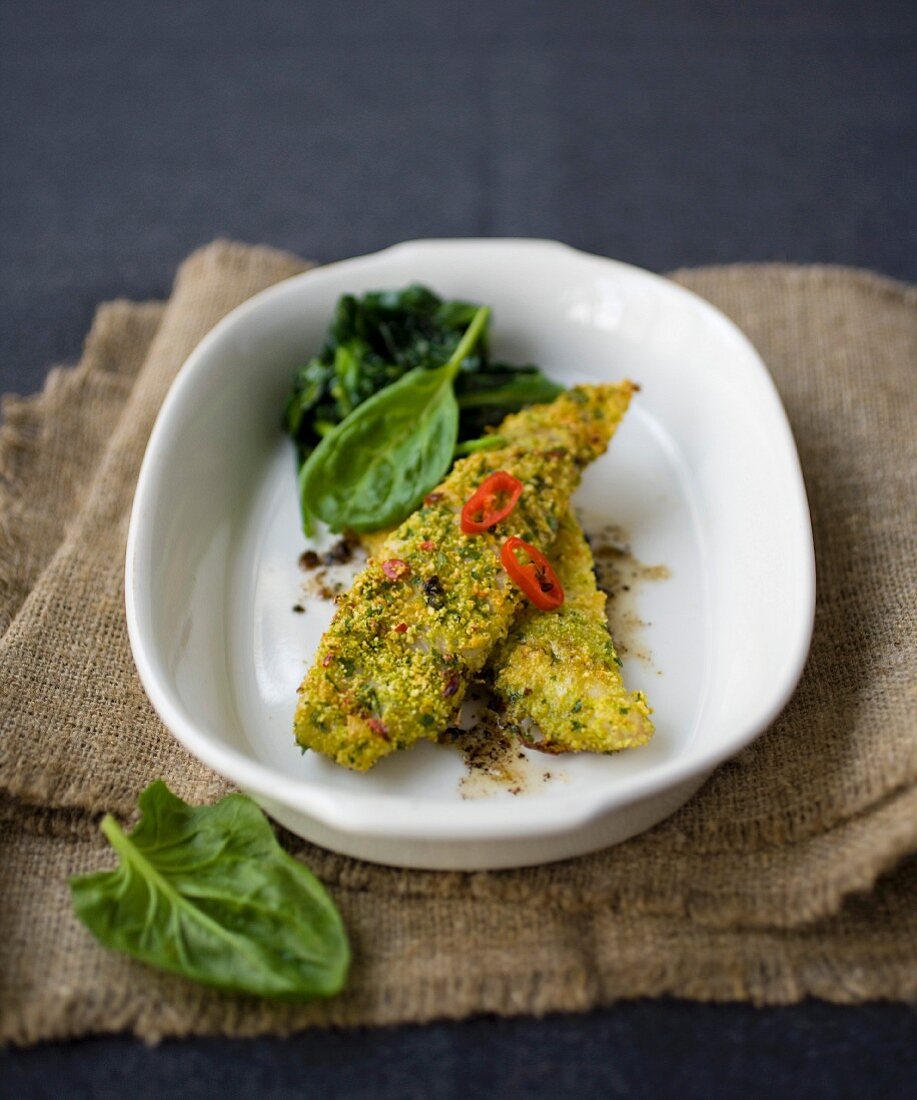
[
  {"x": 559, "y": 675},
  {"x": 422, "y": 618}
]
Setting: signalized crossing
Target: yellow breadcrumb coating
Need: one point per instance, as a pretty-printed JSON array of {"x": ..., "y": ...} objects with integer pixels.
[
  {"x": 558, "y": 672},
  {"x": 423, "y": 617}
]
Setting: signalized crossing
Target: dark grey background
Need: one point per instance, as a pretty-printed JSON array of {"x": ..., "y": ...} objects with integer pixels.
[{"x": 665, "y": 133}]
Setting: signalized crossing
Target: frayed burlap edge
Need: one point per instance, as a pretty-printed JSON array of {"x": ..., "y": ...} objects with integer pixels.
[
  {"x": 852, "y": 979},
  {"x": 420, "y": 960}
]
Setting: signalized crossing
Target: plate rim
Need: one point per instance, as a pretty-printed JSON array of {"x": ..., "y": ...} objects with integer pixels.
[{"x": 354, "y": 812}]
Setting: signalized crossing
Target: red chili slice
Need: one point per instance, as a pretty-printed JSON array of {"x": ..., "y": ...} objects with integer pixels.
[
  {"x": 536, "y": 578},
  {"x": 492, "y": 501}
]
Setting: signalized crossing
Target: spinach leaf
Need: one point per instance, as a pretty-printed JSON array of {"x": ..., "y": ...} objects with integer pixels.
[
  {"x": 208, "y": 893},
  {"x": 486, "y": 396},
  {"x": 310, "y": 386},
  {"x": 375, "y": 342},
  {"x": 372, "y": 342},
  {"x": 378, "y": 464},
  {"x": 378, "y": 338}
]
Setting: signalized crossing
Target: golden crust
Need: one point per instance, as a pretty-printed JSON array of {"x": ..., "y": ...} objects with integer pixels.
[
  {"x": 394, "y": 665},
  {"x": 558, "y": 673}
]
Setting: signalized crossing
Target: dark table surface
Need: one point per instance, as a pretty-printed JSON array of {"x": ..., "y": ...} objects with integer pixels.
[{"x": 664, "y": 133}]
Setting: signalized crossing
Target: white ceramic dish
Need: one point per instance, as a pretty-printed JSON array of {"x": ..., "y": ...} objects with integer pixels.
[{"x": 703, "y": 475}]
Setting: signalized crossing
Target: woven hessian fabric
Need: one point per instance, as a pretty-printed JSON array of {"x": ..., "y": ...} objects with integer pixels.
[{"x": 785, "y": 876}]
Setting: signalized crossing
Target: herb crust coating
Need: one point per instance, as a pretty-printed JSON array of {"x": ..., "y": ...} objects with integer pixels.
[
  {"x": 558, "y": 674},
  {"x": 425, "y": 614}
]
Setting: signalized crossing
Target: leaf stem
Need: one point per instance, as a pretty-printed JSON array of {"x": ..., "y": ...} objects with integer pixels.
[
  {"x": 115, "y": 835},
  {"x": 506, "y": 395},
  {"x": 129, "y": 852},
  {"x": 484, "y": 443},
  {"x": 468, "y": 341},
  {"x": 121, "y": 842}
]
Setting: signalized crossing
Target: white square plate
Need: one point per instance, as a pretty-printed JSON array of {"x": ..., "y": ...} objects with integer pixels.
[{"x": 703, "y": 475}]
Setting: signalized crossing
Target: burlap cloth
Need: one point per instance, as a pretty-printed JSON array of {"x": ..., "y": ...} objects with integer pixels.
[{"x": 786, "y": 876}]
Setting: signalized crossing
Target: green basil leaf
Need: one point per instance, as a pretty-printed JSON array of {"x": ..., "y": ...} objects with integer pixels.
[
  {"x": 376, "y": 339},
  {"x": 377, "y": 465},
  {"x": 207, "y": 892}
]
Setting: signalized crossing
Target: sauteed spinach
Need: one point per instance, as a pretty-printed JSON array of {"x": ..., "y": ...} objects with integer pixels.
[{"x": 365, "y": 470}]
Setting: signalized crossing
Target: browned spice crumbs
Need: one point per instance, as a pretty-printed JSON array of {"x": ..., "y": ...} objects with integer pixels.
[
  {"x": 324, "y": 588},
  {"x": 619, "y": 574},
  {"x": 451, "y": 686},
  {"x": 494, "y": 760},
  {"x": 330, "y": 574},
  {"x": 340, "y": 553}
]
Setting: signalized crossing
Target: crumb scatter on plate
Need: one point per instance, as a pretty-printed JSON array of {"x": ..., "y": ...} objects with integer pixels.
[
  {"x": 494, "y": 760},
  {"x": 620, "y": 574},
  {"x": 330, "y": 574}
]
